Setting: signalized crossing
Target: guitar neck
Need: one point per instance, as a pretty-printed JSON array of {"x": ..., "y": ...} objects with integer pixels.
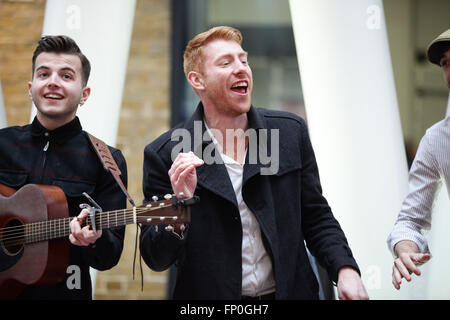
[{"x": 58, "y": 228}]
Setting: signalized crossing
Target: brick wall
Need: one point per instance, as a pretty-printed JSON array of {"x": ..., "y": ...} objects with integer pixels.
[
  {"x": 20, "y": 28},
  {"x": 144, "y": 115}
]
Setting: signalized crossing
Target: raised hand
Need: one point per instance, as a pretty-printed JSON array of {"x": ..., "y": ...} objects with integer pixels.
[{"x": 182, "y": 173}]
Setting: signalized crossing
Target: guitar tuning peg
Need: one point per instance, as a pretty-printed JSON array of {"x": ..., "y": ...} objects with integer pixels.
[
  {"x": 168, "y": 196},
  {"x": 155, "y": 198}
]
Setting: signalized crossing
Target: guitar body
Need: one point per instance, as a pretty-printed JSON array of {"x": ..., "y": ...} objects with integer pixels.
[{"x": 43, "y": 262}]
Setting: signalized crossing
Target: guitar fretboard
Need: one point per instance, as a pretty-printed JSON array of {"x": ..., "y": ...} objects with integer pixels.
[{"x": 58, "y": 228}]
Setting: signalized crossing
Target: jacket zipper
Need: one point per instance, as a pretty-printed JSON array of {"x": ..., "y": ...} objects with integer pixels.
[{"x": 45, "y": 153}]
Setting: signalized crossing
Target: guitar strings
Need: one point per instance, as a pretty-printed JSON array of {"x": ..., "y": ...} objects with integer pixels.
[
  {"x": 99, "y": 217},
  {"x": 46, "y": 235},
  {"x": 18, "y": 232}
]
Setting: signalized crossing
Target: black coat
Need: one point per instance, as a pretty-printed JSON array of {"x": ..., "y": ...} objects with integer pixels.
[
  {"x": 288, "y": 205},
  {"x": 69, "y": 162}
]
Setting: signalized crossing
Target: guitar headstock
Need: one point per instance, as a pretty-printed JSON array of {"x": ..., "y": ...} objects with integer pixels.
[{"x": 170, "y": 210}]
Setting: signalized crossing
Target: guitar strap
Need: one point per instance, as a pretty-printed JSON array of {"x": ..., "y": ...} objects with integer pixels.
[{"x": 110, "y": 165}]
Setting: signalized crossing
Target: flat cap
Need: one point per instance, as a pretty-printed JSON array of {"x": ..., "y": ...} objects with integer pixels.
[{"x": 438, "y": 46}]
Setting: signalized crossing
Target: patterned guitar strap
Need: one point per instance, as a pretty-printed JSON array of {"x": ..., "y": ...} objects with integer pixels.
[{"x": 109, "y": 164}]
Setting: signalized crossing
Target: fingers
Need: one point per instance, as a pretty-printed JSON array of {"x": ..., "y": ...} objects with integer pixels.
[
  {"x": 405, "y": 265},
  {"x": 420, "y": 258},
  {"x": 82, "y": 236},
  {"x": 182, "y": 173},
  {"x": 357, "y": 295},
  {"x": 183, "y": 160},
  {"x": 396, "y": 278}
]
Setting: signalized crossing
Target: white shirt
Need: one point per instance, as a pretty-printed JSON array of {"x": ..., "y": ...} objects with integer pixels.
[
  {"x": 257, "y": 272},
  {"x": 431, "y": 165}
]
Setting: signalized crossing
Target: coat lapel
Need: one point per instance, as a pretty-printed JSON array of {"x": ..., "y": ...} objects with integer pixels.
[
  {"x": 253, "y": 164},
  {"x": 211, "y": 176}
]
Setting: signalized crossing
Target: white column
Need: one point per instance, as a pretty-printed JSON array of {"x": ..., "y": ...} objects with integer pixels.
[
  {"x": 3, "y": 122},
  {"x": 355, "y": 128},
  {"x": 102, "y": 30}
]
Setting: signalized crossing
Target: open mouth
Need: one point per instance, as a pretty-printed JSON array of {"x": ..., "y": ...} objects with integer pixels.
[
  {"x": 240, "y": 87},
  {"x": 53, "y": 96}
]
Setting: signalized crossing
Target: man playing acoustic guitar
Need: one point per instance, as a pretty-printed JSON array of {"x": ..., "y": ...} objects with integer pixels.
[{"x": 54, "y": 150}]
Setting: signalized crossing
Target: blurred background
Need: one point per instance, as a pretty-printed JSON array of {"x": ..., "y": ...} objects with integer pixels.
[{"x": 156, "y": 95}]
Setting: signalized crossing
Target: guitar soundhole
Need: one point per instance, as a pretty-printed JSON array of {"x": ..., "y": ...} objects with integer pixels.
[{"x": 12, "y": 237}]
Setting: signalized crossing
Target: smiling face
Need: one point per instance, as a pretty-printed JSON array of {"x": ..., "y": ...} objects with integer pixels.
[
  {"x": 224, "y": 81},
  {"x": 56, "y": 88}
]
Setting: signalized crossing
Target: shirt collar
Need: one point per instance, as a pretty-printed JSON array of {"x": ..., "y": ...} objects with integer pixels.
[{"x": 59, "y": 135}]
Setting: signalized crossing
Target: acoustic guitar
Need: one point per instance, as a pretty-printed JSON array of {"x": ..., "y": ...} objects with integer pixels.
[{"x": 34, "y": 230}]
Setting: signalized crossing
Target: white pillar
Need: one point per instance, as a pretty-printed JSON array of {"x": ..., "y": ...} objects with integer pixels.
[
  {"x": 102, "y": 30},
  {"x": 355, "y": 128},
  {"x": 3, "y": 122}
]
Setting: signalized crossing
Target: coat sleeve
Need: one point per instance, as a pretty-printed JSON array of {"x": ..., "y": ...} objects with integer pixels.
[
  {"x": 159, "y": 248},
  {"x": 106, "y": 251},
  {"x": 323, "y": 234}
]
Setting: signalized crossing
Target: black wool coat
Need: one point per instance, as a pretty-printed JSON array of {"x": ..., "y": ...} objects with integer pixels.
[{"x": 288, "y": 205}]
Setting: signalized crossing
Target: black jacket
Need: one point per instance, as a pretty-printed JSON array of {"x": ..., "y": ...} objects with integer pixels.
[
  {"x": 288, "y": 205},
  {"x": 71, "y": 163}
]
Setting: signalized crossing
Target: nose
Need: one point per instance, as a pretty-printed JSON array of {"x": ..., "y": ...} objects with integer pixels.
[
  {"x": 240, "y": 67},
  {"x": 53, "y": 81}
]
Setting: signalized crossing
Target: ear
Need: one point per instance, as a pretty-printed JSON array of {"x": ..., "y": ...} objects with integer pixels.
[
  {"x": 85, "y": 95},
  {"x": 29, "y": 90},
  {"x": 196, "y": 80}
]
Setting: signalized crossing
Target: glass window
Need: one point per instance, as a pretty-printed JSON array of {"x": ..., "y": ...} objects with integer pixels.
[{"x": 267, "y": 37}]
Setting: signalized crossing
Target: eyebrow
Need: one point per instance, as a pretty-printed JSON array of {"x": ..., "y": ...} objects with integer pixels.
[
  {"x": 226, "y": 55},
  {"x": 64, "y": 69}
]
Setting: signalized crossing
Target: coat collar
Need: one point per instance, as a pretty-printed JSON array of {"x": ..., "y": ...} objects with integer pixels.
[
  {"x": 214, "y": 176},
  {"x": 255, "y": 120},
  {"x": 59, "y": 135}
]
